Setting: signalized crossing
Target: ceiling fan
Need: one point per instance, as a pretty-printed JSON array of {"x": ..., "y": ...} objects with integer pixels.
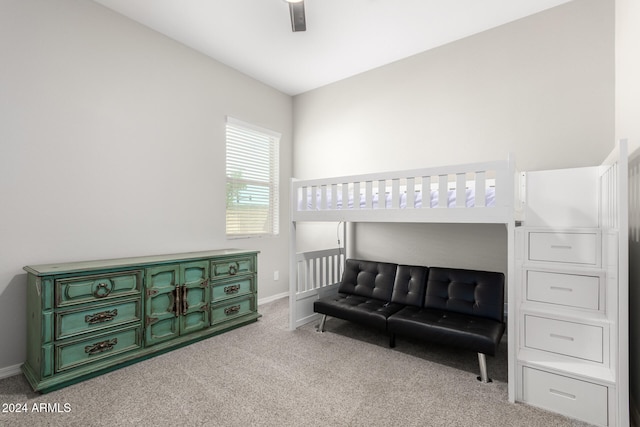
[{"x": 296, "y": 10}]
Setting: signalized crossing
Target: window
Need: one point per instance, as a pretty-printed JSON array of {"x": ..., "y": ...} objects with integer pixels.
[{"x": 252, "y": 180}]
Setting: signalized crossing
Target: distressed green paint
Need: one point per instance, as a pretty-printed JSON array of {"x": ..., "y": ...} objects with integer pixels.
[
  {"x": 231, "y": 309},
  {"x": 160, "y": 303},
  {"x": 74, "y": 353},
  {"x": 195, "y": 296},
  {"x": 97, "y": 317},
  {"x": 92, "y": 317},
  {"x": 46, "y": 291},
  {"x": 78, "y": 290},
  {"x": 233, "y": 288},
  {"x": 47, "y": 327},
  {"x": 225, "y": 268},
  {"x": 47, "y": 360}
]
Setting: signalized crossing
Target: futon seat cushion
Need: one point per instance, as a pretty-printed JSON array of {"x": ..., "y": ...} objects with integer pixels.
[
  {"x": 444, "y": 327},
  {"x": 358, "y": 309}
]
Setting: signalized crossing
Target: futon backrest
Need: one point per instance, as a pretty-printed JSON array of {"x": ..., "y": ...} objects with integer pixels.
[
  {"x": 410, "y": 285},
  {"x": 479, "y": 293},
  {"x": 368, "y": 279}
]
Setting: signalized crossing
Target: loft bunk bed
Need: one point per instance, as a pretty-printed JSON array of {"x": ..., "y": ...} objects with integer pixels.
[
  {"x": 481, "y": 193},
  {"x": 471, "y": 193}
]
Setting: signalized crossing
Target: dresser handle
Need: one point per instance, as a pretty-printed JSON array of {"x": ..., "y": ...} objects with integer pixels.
[
  {"x": 561, "y": 247},
  {"x": 562, "y": 337},
  {"x": 232, "y": 289},
  {"x": 101, "y": 346},
  {"x": 233, "y": 269},
  {"x": 103, "y": 316},
  {"x": 102, "y": 290},
  {"x": 562, "y": 394},
  {"x": 178, "y": 303},
  {"x": 560, "y": 288},
  {"x": 185, "y": 304},
  {"x": 232, "y": 310}
]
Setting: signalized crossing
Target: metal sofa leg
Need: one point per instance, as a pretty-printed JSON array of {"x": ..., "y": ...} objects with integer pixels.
[
  {"x": 322, "y": 321},
  {"x": 482, "y": 361}
]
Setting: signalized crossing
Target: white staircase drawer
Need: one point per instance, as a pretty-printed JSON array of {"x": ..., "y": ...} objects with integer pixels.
[
  {"x": 574, "y": 398},
  {"x": 566, "y": 338},
  {"x": 564, "y": 289},
  {"x": 574, "y": 248}
]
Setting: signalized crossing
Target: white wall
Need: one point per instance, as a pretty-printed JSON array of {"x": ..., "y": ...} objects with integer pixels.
[
  {"x": 112, "y": 145},
  {"x": 541, "y": 87},
  {"x": 628, "y": 126}
]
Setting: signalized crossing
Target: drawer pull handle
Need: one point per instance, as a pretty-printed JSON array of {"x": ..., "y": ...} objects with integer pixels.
[
  {"x": 232, "y": 310},
  {"x": 185, "y": 304},
  {"x": 561, "y": 247},
  {"x": 177, "y": 301},
  {"x": 231, "y": 289},
  {"x": 102, "y": 290},
  {"x": 562, "y": 337},
  {"x": 562, "y": 394},
  {"x": 233, "y": 269},
  {"x": 103, "y": 316},
  {"x": 101, "y": 346},
  {"x": 560, "y": 288}
]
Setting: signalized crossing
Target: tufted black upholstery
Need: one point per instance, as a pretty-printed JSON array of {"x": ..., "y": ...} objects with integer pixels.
[
  {"x": 456, "y": 307},
  {"x": 471, "y": 332},
  {"x": 364, "y": 294},
  {"x": 479, "y": 293},
  {"x": 368, "y": 279},
  {"x": 365, "y": 311},
  {"x": 409, "y": 286}
]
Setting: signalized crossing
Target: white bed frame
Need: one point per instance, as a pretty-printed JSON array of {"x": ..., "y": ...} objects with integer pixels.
[{"x": 315, "y": 274}]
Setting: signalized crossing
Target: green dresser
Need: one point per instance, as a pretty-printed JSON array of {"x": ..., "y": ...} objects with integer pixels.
[{"x": 87, "y": 318}]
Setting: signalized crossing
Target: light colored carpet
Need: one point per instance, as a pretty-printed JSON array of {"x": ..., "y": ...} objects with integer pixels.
[{"x": 265, "y": 375}]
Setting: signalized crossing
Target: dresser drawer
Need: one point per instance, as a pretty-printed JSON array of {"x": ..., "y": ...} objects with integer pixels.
[
  {"x": 226, "y": 268},
  {"x": 233, "y": 288},
  {"x": 233, "y": 308},
  {"x": 97, "y": 347},
  {"x": 575, "y": 248},
  {"x": 563, "y": 289},
  {"x": 99, "y": 316},
  {"x": 562, "y": 337},
  {"x": 575, "y": 398},
  {"x": 82, "y": 289}
]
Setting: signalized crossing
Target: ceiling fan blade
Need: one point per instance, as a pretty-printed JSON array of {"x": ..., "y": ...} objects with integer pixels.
[{"x": 298, "y": 20}]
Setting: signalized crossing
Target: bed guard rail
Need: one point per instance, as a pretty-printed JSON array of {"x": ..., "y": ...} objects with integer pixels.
[
  {"x": 317, "y": 274},
  {"x": 476, "y": 185}
]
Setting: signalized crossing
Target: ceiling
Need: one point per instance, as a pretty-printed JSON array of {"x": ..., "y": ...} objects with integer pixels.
[{"x": 343, "y": 37}]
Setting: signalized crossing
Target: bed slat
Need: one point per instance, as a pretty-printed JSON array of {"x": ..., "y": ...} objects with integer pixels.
[
  {"x": 443, "y": 191},
  {"x": 461, "y": 190},
  {"x": 480, "y": 190}
]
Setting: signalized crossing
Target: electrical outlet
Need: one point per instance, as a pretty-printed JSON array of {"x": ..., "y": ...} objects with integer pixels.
[{"x": 276, "y": 275}]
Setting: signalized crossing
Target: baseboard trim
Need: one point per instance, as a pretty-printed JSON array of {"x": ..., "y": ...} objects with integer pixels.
[
  {"x": 10, "y": 371},
  {"x": 272, "y": 298}
]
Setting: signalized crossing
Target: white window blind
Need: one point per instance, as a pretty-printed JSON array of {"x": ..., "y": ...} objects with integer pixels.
[{"x": 252, "y": 180}]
